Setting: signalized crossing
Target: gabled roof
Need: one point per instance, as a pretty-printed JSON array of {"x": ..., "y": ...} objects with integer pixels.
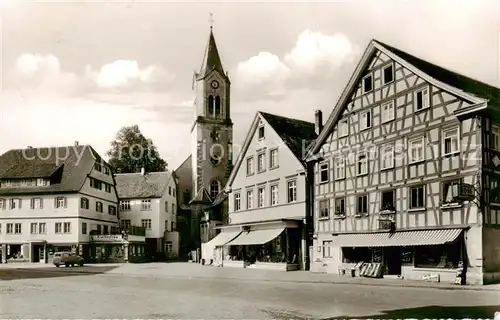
[
  {"x": 68, "y": 168},
  {"x": 461, "y": 86},
  {"x": 202, "y": 197},
  {"x": 137, "y": 186},
  {"x": 293, "y": 132},
  {"x": 211, "y": 59}
]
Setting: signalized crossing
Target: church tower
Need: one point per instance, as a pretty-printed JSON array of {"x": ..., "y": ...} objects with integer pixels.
[{"x": 212, "y": 131}]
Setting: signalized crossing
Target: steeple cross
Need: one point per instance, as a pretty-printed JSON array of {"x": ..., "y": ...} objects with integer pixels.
[{"x": 211, "y": 20}]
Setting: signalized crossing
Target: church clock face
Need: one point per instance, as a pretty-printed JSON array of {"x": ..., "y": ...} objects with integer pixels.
[{"x": 215, "y": 84}]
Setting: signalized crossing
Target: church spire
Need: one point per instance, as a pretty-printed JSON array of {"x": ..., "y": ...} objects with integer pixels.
[{"x": 211, "y": 59}]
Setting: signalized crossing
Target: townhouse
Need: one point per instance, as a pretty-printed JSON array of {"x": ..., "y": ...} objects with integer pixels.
[
  {"x": 149, "y": 200},
  {"x": 51, "y": 199},
  {"x": 268, "y": 198},
  {"x": 406, "y": 173}
]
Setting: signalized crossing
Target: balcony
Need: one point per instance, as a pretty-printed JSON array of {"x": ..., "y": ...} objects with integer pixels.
[{"x": 387, "y": 209}]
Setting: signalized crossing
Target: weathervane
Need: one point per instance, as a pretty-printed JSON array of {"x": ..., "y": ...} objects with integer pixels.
[{"x": 211, "y": 20}]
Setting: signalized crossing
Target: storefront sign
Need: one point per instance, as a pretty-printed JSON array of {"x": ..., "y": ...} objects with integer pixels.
[{"x": 106, "y": 238}]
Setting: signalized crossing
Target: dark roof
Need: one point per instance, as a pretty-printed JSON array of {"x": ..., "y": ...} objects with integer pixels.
[
  {"x": 201, "y": 197},
  {"x": 72, "y": 163},
  {"x": 211, "y": 59},
  {"x": 136, "y": 185},
  {"x": 296, "y": 134},
  {"x": 461, "y": 82}
]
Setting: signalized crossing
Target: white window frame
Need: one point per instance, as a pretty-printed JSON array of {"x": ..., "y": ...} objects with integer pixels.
[
  {"x": 36, "y": 203},
  {"x": 249, "y": 199},
  {"x": 452, "y": 190},
  {"x": 324, "y": 167},
  {"x": 363, "y": 83},
  {"x": 445, "y": 137},
  {"x": 338, "y": 201},
  {"x": 359, "y": 161},
  {"x": 250, "y": 166},
  {"x": 42, "y": 228},
  {"x": 261, "y": 126},
  {"x": 60, "y": 202},
  {"x": 145, "y": 204},
  {"x": 273, "y": 162},
  {"x": 34, "y": 228},
  {"x": 366, "y": 201},
  {"x": 261, "y": 197},
  {"x": 495, "y": 137},
  {"x": 58, "y": 227},
  {"x": 390, "y": 65},
  {"x": 146, "y": 222},
  {"x": 411, "y": 142},
  {"x": 343, "y": 128},
  {"x": 125, "y": 205},
  {"x": 324, "y": 208},
  {"x": 237, "y": 201},
  {"x": 291, "y": 186},
  {"x": 390, "y": 114},
  {"x": 261, "y": 162},
  {"x": 411, "y": 198},
  {"x": 425, "y": 98},
  {"x": 15, "y": 204},
  {"x": 18, "y": 228},
  {"x": 67, "y": 227},
  {"x": 340, "y": 168},
  {"x": 274, "y": 191},
  {"x": 327, "y": 248},
  {"x": 363, "y": 125},
  {"x": 384, "y": 152}
]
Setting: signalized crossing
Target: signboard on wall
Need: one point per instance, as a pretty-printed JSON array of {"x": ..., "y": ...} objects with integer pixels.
[{"x": 106, "y": 238}]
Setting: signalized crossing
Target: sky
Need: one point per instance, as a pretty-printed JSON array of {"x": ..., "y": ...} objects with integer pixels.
[{"x": 80, "y": 71}]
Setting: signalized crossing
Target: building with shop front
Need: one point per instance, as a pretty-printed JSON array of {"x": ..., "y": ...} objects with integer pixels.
[
  {"x": 406, "y": 172},
  {"x": 52, "y": 199},
  {"x": 149, "y": 200},
  {"x": 268, "y": 198}
]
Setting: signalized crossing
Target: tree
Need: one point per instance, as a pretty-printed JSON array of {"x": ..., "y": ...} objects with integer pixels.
[{"x": 131, "y": 151}]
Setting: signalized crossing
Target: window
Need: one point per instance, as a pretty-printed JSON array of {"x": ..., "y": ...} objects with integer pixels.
[
  {"x": 340, "y": 206},
  {"x": 261, "y": 162},
  {"x": 166, "y": 206},
  {"x": 362, "y": 165},
  {"x": 105, "y": 229},
  {"x": 274, "y": 195},
  {"x": 125, "y": 223},
  {"x": 495, "y": 138},
  {"x": 343, "y": 128},
  {"x": 112, "y": 210},
  {"x": 99, "y": 229},
  {"x": 10, "y": 228},
  {"x": 340, "y": 168},
  {"x": 169, "y": 190},
  {"x": 173, "y": 208},
  {"x": 273, "y": 158},
  {"x": 387, "y": 158},
  {"x": 168, "y": 246},
  {"x": 366, "y": 120},
  {"x": 388, "y": 201},
  {"x": 324, "y": 208},
  {"x": 237, "y": 201},
  {"x": 292, "y": 191},
  {"x": 172, "y": 225},
  {"x": 388, "y": 74},
  {"x": 96, "y": 184},
  {"x": 58, "y": 227},
  {"x": 84, "y": 203},
  {"x": 214, "y": 188},
  {"x": 250, "y": 166},
  {"x": 417, "y": 197},
  {"x": 323, "y": 173},
  {"x": 367, "y": 83},
  {"x": 146, "y": 223},
  {"x": 34, "y": 228},
  {"x": 17, "y": 228},
  {"x": 421, "y": 99},
  {"x": 107, "y": 188},
  {"x": 260, "y": 197},
  {"x": 67, "y": 227},
  {"x": 42, "y": 228},
  {"x": 450, "y": 141},
  {"x": 125, "y": 205},
  {"x": 249, "y": 199},
  {"x": 445, "y": 256},
  {"x": 362, "y": 208},
  {"x": 98, "y": 206},
  {"x": 60, "y": 202},
  {"x": 146, "y": 204},
  {"x": 261, "y": 132},
  {"x": 327, "y": 249},
  {"x": 36, "y": 203},
  {"x": 417, "y": 150},
  {"x": 450, "y": 190},
  {"x": 387, "y": 110},
  {"x": 15, "y": 204},
  {"x": 84, "y": 228},
  {"x": 166, "y": 225},
  {"x": 107, "y": 171}
]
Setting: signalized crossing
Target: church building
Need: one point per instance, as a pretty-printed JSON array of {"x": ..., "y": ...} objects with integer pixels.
[{"x": 203, "y": 175}]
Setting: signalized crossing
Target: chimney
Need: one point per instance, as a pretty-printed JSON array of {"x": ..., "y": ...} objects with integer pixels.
[
  {"x": 143, "y": 171},
  {"x": 318, "y": 121},
  {"x": 76, "y": 143}
]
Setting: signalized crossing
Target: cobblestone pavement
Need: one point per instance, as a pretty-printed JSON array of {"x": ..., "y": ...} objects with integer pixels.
[{"x": 114, "y": 294}]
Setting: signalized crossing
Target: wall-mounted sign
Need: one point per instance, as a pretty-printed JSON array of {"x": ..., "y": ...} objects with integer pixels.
[{"x": 106, "y": 238}]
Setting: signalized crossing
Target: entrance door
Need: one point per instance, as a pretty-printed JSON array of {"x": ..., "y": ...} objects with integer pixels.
[{"x": 392, "y": 257}]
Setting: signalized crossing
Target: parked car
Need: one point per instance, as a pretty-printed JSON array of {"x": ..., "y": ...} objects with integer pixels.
[{"x": 68, "y": 259}]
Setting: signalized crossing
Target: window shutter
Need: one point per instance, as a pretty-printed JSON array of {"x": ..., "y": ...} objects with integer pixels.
[
  {"x": 55, "y": 202},
  {"x": 20, "y": 203},
  {"x": 65, "y": 202},
  {"x": 32, "y": 203},
  {"x": 41, "y": 203},
  {"x": 4, "y": 204}
]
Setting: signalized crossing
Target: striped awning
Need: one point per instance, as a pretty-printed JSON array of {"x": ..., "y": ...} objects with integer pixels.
[
  {"x": 224, "y": 237},
  {"x": 398, "y": 238},
  {"x": 256, "y": 237}
]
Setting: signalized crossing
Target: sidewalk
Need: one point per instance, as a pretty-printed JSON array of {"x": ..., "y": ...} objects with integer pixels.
[{"x": 197, "y": 271}]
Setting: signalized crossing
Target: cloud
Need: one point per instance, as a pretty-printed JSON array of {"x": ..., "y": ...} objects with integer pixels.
[{"x": 125, "y": 74}]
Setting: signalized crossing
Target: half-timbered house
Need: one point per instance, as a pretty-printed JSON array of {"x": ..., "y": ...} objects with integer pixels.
[{"x": 406, "y": 172}]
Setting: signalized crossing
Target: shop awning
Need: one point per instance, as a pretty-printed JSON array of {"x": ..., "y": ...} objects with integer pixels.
[
  {"x": 224, "y": 237},
  {"x": 256, "y": 237},
  {"x": 398, "y": 238}
]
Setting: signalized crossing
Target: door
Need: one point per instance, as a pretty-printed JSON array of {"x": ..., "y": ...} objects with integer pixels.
[{"x": 392, "y": 257}]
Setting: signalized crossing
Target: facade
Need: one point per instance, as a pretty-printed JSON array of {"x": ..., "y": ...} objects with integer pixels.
[
  {"x": 149, "y": 200},
  {"x": 52, "y": 199},
  {"x": 406, "y": 173},
  {"x": 211, "y": 150},
  {"x": 267, "y": 198}
]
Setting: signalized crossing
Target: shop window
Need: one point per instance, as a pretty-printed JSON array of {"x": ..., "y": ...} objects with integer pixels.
[{"x": 441, "y": 256}]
